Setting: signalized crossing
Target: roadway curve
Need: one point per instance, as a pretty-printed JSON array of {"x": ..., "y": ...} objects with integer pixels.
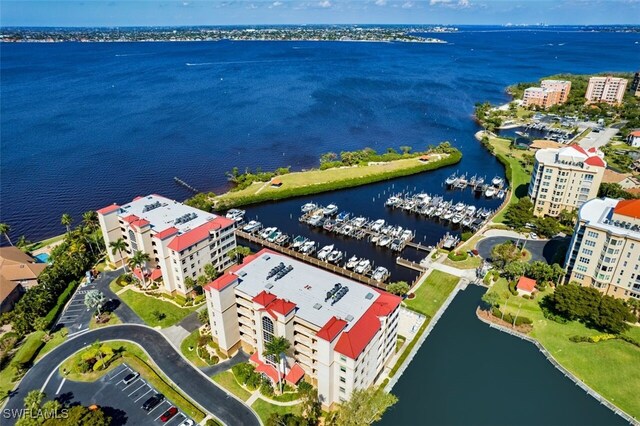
[{"x": 193, "y": 383}]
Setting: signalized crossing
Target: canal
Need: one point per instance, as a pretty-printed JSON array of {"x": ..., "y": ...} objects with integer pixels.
[{"x": 467, "y": 373}]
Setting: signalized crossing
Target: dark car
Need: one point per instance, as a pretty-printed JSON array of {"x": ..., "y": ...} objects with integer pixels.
[
  {"x": 152, "y": 402},
  {"x": 167, "y": 415},
  {"x": 129, "y": 378}
]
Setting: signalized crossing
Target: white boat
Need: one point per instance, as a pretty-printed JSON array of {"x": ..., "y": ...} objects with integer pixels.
[
  {"x": 375, "y": 238},
  {"x": 335, "y": 256},
  {"x": 377, "y": 225},
  {"x": 406, "y": 235},
  {"x": 447, "y": 215},
  {"x": 501, "y": 194},
  {"x": 386, "y": 230},
  {"x": 490, "y": 192},
  {"x": 423, "y": 198},
  {"x": 396, "y": 244},
  {"x": 409, "y": 205},
  {"x": 397, "y": 231},
  {"x": 363, "y": 267},
  {"x": 282, "y": 239},
  {"x": 324, "y": 252},
  {"x": 315, "y": 220},
  {"x": 308, "y": 248},
  {"x": 267, "y": 231},
  {"x": 252, "y": 226},
  {"x": 352, "y": 262},
  {"x": 384, "y": 241},
  {"x": 467, "y": 221},
  {"x": 274, "y": 236},
  {"x": 471, "y": 210},
  {"x": 497, "y": 181},
  {"x": 235, "y": 214},
  {"x": 331, "y": 209},
  {"x": 459, "y": 207},
  {"x": 439, "y": 211},
  {"x": 430, "y": 210},
  {"x": 308, "y": 207},
  {"x": 451, "y": 179},
  {"x": 457, "y": 218},
  {"x": 359, "y": 222},
  {"x": 392, "y": 201},
  {"x": 347, "y": 229},
  {"x": 299, "y": 241},
  {"x": 380, "y": 274}
]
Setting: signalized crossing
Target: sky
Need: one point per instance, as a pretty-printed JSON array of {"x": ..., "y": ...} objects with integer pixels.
[{"x": 254, "y": 12}]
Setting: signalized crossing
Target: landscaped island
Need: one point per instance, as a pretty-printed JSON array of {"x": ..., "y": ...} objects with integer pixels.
[{"x": 352, "y": 169}]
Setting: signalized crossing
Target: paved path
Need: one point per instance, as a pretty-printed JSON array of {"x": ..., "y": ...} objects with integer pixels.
[
  {"x": 124, "y": 312},
  {"x": 195, "y": 384},
  {"x": 178, "y": 332},
  {"x": 225, "y": 365}
]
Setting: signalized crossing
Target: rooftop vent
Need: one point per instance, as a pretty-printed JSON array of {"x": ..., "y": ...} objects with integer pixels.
[
  {"x": 185, "y": 218},
  {"x": 267, "y": 257},
  {"x": 317, "y": 306},
  {"x": 241, "y": 273},
  {"x": 349, "y": 318},
  {"x": 339, "y": 294},
  {"x": 333, "y": 291},
  {"x": 149, "y": 207},
  {"x": 369, "y": 296},
  {"x": 269, "y": 285}
]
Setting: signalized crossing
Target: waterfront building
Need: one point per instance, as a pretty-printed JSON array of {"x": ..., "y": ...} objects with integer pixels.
[
  {"x": 633, "y": 139},
  {"x": 18, "y": 272},
  {"x": 550, "y": 92},
  {"x": 605, "y": 248},
  {"x": 179, "y": 239},
  {"x": 606, "y": 89},
  {"x": 565, "y": 178},
  {"x": 342, "y": 333},
  {"x": 525, "y": 286}
]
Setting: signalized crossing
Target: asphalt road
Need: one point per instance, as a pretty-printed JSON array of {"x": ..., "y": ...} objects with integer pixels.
[
  {"x": 542, "y": 250},
  {"x": 192, "y": 382}
]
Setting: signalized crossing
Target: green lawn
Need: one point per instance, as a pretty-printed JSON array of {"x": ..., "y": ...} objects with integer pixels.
[
  {"x": 57, "y": 338},
  {"x": 113, "y": 320},
  {"x": 227, "y": 380},
  {"x": 44, "y": 243},
  {"x": 432, "y": 293},
  {"x": 265, "y": 409},
  {"x": 191, "y": 341},
  {"x": 469, "y": 263},
  {"x": 146, "y": 306},
  {"x": 610, "y": 367}
]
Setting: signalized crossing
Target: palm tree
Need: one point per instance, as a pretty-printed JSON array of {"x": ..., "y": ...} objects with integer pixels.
[
  {"x": 4, "y": 230},
  {"x": 139, "y": 259},
  {"x": 118, "y": 246},
  {"x": 67, "y": 220},
  {"x": 276, "y": 347},
  {"x": 90, "y": 219}
]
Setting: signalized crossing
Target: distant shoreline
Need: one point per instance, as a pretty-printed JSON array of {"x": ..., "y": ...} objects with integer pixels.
[{"x": 425, "y": 41}]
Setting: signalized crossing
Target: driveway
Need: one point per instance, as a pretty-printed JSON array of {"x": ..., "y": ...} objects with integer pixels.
[
  {"x": 541, "y": 250},
  {"x": 193, "y": 383}
]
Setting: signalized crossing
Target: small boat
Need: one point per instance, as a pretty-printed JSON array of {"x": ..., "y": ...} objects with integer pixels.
[
  {"x": 377, "y": 225},
  {"x": 497, "y": 181},
  {"x": 471, "y": 210},
  {"x": 439, "y": 211},
  {"x": 397, "y": 244},
  {"x": 235, "y": 214},
  {"x": 480, "y": 181},
  {"x": 447, "y": 215},
  {"x": 252, "y": 226},
  {"x": 282, "y": 239},
  {"x": 397, "y": 231},
  {"x": 343, "y": 217},
  {"x": 375, "y": 238},
  {"x": 384, "y": 241},
  {"x": 330, "y": 210},
  {"x": 408, "y": 205},
  {"x": 267, "y": 231},
  {"x": 308, "y": 248},
  {"x": 315, "y": 220},
  {"x": 359, "y": 222},
  {"x": 299, "y": 241},
  {"x": 386, "y": 230},
  {"x": 490, "y": 192},
  {"x": 324, "y": 252},
  {"x": 467, "y": 221},
  {"x": 451, "y": 180},
  {"x": 423, "y": 198},
  {"x": 308, "y": 207},
  {"x": 274, "y": 236},
  {"x": 329, "y": 225},
  {"x": 335, "y": 256},
  {"x": 501, "y": 194},
  {"x": 430, "y": 210},
  {"x": 457, "y": 218},
  {"x": 380, "y": 274},
  {"x": 347, "y": 229},
  {"x": 392, "y": 201},
  {"x": 459, "y": 207},
  {"x": 485, "y": 213},
  {"x": 352, "y": 262},
  {"x": 406, "y": 235},
  {"x": 363, "y": 267}
]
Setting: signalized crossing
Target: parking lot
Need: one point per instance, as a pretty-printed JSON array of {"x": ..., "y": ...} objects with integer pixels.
[
  {"x": 77, "y": 317},
  {"x": 121, "y": 401}
]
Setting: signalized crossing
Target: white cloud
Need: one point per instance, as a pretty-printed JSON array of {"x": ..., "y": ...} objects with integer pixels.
[
  {"x": 252, "y": 6},
  {"x": 464, "y": 3},
  {"x": 436, "y": 2},
  {"x": 407, "y": 5},
  {"x": 275, "y": 4},
  {"x": 325, "y": 4},
  {"x": 381, "y": 2}
]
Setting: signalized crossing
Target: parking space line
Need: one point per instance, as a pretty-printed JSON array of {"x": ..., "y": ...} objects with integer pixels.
[
  {"x": 156, "y": 407},
  {"x": 139, "y": 398},
  {"x": 137, "y": 378},
  {"x": 119, "y": 372},
  {"x": 143, "y": 385},
  {"x": 179, "y": 413}
]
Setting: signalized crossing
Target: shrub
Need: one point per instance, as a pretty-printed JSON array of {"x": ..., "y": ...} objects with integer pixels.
[
  {"x": 266, "y": 389},
  {"x": 512, "y": 288},
  {"x": 458, "y": 256},
  {"x": 523, "y": 321},
  {"x": 62, "y": 300},
  {"x": 243, "y": 371},
  {"x": 466, "y": 235},
  {"x": 579, "y": 339}
]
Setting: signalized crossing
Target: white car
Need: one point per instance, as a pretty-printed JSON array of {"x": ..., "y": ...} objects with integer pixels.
[
  {"x": 533, "y": 236},
  {"x": 187, "y": 422}
]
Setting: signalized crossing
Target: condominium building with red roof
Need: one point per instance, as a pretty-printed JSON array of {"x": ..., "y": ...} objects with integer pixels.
[
  {"x": 342, "y": 333},
  {"x": 180, "y": 240},
  {"x": 605, "y": 248},
  {"x": 565, "y": 178}
]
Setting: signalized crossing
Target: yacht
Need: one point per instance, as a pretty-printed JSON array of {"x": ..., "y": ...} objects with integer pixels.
[
  {"x": 471, "y": 210},
  {"x": 439, "y": 211},
  {"x": 408, "y": 205},
  {"x": 490, "y": 192},
  {"x": 397, "y": 231},
  {"x": 267, "y": 231},
  {"x": 347, "y": 229},
  {"x": 335, "y": 256},
  {"x": 329, "y": 224},
  {"x": 380, "y": 274},
  {"x": 430, "y": 210},
  {"x": 497, "y": 181},
  {"x": 330, "y": 210},
  {"x": 324, "y": 252},
  {"x": 352, "y": 262},
  {"x": 457, "y": 218},
  {"x": 392, "y": 201},
  {"x": 377, "y": 225},
  {"x": 274, "y": 236},
  {"x": 343, "y": 216},
  {"x": 359, "y": 222},
  {"x": 282, "y": 239},
  {"x": 407, "y": 235},
  {"x": 447, "y": 215},
  {"x": 467, "y": 221},
  {"x": 299, "y": 241},
  {"x": 363, "y": 267},
  {"x": 235, "y": 215},
  {"x": 397, "y": 244},
  {"x": 485, "y": 213},
  {"x": 384, "y": 241},
  {"x": 451, "y": 180},
  {"x": 374, "y": 238},
  {"x": 459, "y": 207},
  {"x": 308, "y": 248},
  {"x": 386, "y": 230},
  {"x": 480, "y": 181},
  {"x": 252, "y": 226},
  {"x": 315, "y": 220},
  {"x": 501, "y": 194},
  {"x": 308, "y": 207}
]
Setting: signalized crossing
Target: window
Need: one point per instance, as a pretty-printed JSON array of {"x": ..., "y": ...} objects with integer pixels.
[
  {"x": 343, "y": 369},
  {"x": 267, "y": 329},
  {"x": 592, "y": 234},
  {"x": 579, "y": 276},
  {"x": 587, "y": 252},
  {"x": 590, "y": 243},
  {"x": 343, "y": 380},
  {"x": 342, "y": 390},
  {"x": 584, "y": 259},
  {"x": 343, "y": 358}
]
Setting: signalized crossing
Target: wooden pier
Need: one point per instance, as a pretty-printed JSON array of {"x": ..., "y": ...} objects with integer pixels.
[
  {"x": 185, "y": 184},
  {"x": 311, "y": 260},
  {"x": 419, "y": 246},
  {"x": 409, "y": 264}
]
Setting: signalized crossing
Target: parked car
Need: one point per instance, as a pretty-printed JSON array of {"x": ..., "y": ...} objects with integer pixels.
[
  {"x": 168, "y": 415},
  {"x": 186, "y": 422},
  {"x": 533, "y": 236},
  {"x": 152, "y": 402},
  {"x": 129, "y": 378}
]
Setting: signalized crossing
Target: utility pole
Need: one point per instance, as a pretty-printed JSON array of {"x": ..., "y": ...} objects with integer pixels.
[{"x": 516, "y": 317}]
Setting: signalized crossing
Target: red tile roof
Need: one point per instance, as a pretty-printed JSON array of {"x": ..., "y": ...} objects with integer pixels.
[
  {"x": 140, "y": 223},
  {"x": 595, "y": 161},
  {"x": 109, "y": 209},
  {"x": 281, "y": 306},
  {"x": 137, "y": 198},
  {"x": 264, "y": 368},
  {"x": 592, "y": 149},
  {"x": 166, "y": 233},
  {"x": 353, "y": 342},
  {"x": 264, "y": 298},
  {"x": 138, "y": 273},
  {"x": 386, "y": 303},
  {"x": 295, "y": 374},
  {"x": 636, "y": 133},
  {"x": 331, "y": 329},
  {"x": 629, "y": 208},
  {"x": 156, "y": 274},
  {"x": 578, "y": 148},
  {"x": 221, "y": 282},
  {"x": 131, "y": 218},
  {"x": 198, "y": 234},
  {"x": 526, "y": 284}
]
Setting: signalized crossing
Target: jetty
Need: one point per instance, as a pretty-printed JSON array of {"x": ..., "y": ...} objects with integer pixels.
[{"x": 185, "y": 185}]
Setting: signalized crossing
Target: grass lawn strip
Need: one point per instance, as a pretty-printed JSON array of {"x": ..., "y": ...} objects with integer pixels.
[
  {"x": 145, "y": 306},
  {"x": 192, "y": 341},
  {"x": 113, "y": 320},
  {"x": 138, "y": 360},
  {"x": 603, "y": 366},
  {"x": 469, "y": 263},
  {"x": 265, "y": 409},
  {"x": 227, "y": 380},
  {"x": 432, "y": 293}
]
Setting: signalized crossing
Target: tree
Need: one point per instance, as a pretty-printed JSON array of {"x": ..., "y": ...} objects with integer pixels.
[
  {"x": 547, "y": 226},
  {"x": 203, "y": 316},
  {"x": 491, "y": 298},
  {"x": 405, "y": 149},
  {"x": 23, "y": 243},
  {"x": 66, "y": 220},
  {"x": 139, "y": 260},
  {"x": 4, "y": 230},
  {"x": 365, "y": 407},
  {"x": 118, "y": 246},
  {"x": 210, "y": 272},
  {"x": 33, "y": 400},
  {"x": 567, "y": 217},
  {"x": 398, "y": 288},
  {"x": 90, "y": 219},
  {"x": 94, "y": 299},
  {"x": 504, "y": 253},
  {"x": 311, "y": 407},
  {"x": 520, "y": 213},
  {"x": 287, "y": 419},
  {"x": 634, "y": 306},
  {"x": 613, "y": 190},
  {"x": 189, "y": 282},
  {"x": 276, "y": 348},
  {"x": 513, "y": 270},
  {"x": 238, "y": 253},
  {"x": 79, "y": 415}
]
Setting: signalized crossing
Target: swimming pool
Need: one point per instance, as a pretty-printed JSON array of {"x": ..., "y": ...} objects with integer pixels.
[{"x": 42, "y": 258}]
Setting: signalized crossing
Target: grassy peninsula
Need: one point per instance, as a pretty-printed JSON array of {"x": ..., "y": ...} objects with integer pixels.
[{"x": 349, "y": 169}]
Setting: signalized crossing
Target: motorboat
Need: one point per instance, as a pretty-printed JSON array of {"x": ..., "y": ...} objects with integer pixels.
[
  {"x": 439, "y": 211},
  {"x": 324, "y": 252},
  {"x": 363, "y": 267},
  {"x": 283, "y": 239},
  {"x": 423, "y": 198},
  {"x": 377, "y": 225},
  {"x": 430, "y": 210},
  {"x": 485, "y": 213},
  {"x": 299, "y": 241},
  {"x": 359, "y": 222},
  {"x": 480, "y": 181},
  {"x": 407, "y": 235},
  {"x": 397, "y": 244},
  {"x": 315, "y": 220},
  {"x": 347, "y": 229},
  {"x": 308, "y": 207},
  {"x": 392, "y": 201},
  {"x": 374, "y": 238},
  {"x": 330, "y": 210},
  {"x": 267, "y": 231},
  {"x": 497, "y": 181},
  {"x": 408, "y": 205},
  {"x": 451, "y": 180},
  {"x": 252, "y": 226},
  {"x": 343, "y": 216},
  {"x": 235, "y": 215},
  {"x": 467, "y": 221},
  {"x": 471, "y": 210},
  {"x": 329, "y": 224},
  {"x": 501, "y": 194},
  {"x": 457, "y": 218},
  {"x": 384, "y": 240},
  {"x": 308, "y": 247},
  {"x": 386, "y": 230},
  {"x": 274, "y": 236},
  {"x": 352, "y": 262},
  {"x": 335, "y": 256},
  {"x": 490, "y": 192},
  {"x": 380, "y": 274},
  {"x": 447, "y": 215},
  {"x": 459, "y": 207},
  {"x": 397, "y": 231}
]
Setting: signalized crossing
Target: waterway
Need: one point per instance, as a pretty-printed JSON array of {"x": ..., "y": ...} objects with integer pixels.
[{"x": 467, "y": 373}]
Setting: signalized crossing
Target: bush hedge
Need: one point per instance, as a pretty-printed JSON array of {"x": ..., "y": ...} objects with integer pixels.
[
  {"x": 29, "y": 349},
  {"x": 520, "y": 320},
  {"x": 458, "y": 256},
  {"x": 62, "y": 301}
]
